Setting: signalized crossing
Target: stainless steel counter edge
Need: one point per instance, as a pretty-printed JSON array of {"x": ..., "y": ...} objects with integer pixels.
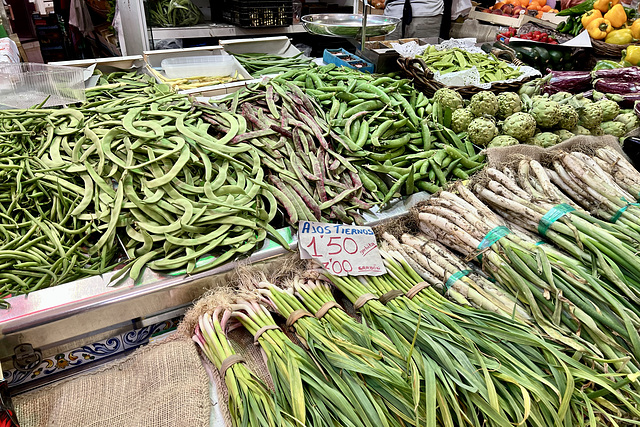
[{"x": 51, "y": 305}]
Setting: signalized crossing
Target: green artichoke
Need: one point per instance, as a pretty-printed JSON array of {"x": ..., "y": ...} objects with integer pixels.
[
  {"x": 484, "y": 103},
  {"x": 580, "y": 130},
  {"x": 460, "y": 119},
  {"x": 545, "y": 139},
  {"x": 561, "y": 96},
  {"x": 546, "y": 113},
  {"x": 591, "y": 116},
  {"x": 481, "y": 131},
  {"x": 503, "y": 141},
  {"x": 448, "y": 98},
  {"x": 508, "y": 103},
  {"x": 614, "y": 128},
  {"x": 610, "y": 109},
  {"x": 521, "y": 126},
  {"x": 568, "y": 117},
  {"x": 630, "y": 121},
  {"x": 564, "y": 134}
]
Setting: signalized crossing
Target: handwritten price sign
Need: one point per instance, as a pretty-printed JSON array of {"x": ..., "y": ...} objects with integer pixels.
[{"x": 343, "y": 250}]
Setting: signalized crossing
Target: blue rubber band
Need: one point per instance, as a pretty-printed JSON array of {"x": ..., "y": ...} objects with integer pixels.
[
  {"x": 454, "y": 278},
  {"x": 554, "y": 214},
  {"x": 492, "y": 237},
  {"x": 622, "y": 209}
]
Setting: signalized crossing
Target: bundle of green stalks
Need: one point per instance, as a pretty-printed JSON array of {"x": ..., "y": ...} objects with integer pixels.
[
  {"x": 485, "y": 369},
  {"x": 251, "y": 403},
  {"x": 623, "y": 172},
  {"x": 568, "y": 300},
  {"x": 379, "y": 387},
  {"x": 602, "y": 248},
  {"x": 519, "y": 378},
  {"x": 312, "y": 396}
]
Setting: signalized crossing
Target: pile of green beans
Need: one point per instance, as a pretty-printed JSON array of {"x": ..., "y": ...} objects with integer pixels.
[
  {"x": 135, "y": 163},
  {"x": 387, "y": 130},
  {"x": 259, "y": 64},
  {"x": 309, "y": 179},
  {"x": 491, "y": 69}
]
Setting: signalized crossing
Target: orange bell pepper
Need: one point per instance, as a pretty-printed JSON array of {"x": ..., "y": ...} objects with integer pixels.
[
  {"x": 635, "y": 29},
  {"x": 604, "y": 5},
  {"x": 617, "y": 16},
  {"x": 599, "y": 28},
  {"x": 587, "y": 17}
]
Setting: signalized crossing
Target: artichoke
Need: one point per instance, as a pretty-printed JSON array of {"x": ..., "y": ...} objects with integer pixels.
[
  {"x": 481, "y": 131},
  {"x": 484, "y": 102},
  {"x": 521, "y": 126},
  {"x": 610, "y": 109},
  {"x": 460, "y": 119},
  {"x": 546, "y": 113},
  {"x": 580, "y": 130},
  {"x": 545, "y": 139},
  {"x": 564, "y": 134},
  {"x": 503, "y": 141},
  {"x": 448, "y": 98},
  {"x": 568, "y": 117},
  {"x": 560, "y": 96},
  {"x": 508, "y": 103},
  {"x": 630, "y": 121},
  {"x": 591, "y": 116},
  {"x": 614, "y": 128}
]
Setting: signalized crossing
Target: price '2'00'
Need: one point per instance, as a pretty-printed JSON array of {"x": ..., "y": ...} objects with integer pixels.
[{"x": 337, "y": 245}]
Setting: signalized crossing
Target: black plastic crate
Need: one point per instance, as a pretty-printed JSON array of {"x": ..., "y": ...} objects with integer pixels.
[{"x": 252, "y": 14}]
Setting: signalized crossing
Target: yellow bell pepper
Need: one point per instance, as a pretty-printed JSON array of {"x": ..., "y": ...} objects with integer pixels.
[
  {"x": 619, "y": 36},
  {"x": 632, "y": 55},
  {"x": 604, "y": 5},
  {"x": 599, "y": 28},
  {"x": 617, "y": 16},
  {"x": 635, "y": 29},
  {"x": 587, "y": 17}
]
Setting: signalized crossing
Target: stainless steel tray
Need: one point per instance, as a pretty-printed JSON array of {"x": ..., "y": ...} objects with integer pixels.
[
  {"x": 74, "y": 313},
  {"x": 350, "y": 26}
]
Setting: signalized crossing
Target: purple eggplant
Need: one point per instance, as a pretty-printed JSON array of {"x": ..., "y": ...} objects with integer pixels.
[
  {"x": 568, "y": 81},
  {"x": 627, "y": 74},
  {"x": 617, "y": 86}
]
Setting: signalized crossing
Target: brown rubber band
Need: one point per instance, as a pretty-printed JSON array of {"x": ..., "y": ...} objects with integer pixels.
[
  {"x": 360, "y": 302},
  {"x": 392, "y": 294},
  {"x": 262, "y": 331},
  {"x": 417, "y": 288},
  {"x": 229, "y": 362},
  {"x": 326, "y": 307},
  {"x": 297, "y": 315}
]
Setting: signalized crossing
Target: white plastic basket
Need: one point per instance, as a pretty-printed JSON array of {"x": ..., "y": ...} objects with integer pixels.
[{"x": 28, "y": 84}]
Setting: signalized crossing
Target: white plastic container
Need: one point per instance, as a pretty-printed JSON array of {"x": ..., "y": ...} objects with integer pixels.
[{"x": 196, "y": 66}]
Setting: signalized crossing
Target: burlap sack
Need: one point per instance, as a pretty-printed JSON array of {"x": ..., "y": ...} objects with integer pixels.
[
  {"x": 159, "y": 385},
  {"x": 500, "y": 156}
]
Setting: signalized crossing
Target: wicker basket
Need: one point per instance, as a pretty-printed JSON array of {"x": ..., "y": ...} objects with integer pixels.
[
  {"x": 417, "y": 70},
  {"x": 607, "y": 49}
]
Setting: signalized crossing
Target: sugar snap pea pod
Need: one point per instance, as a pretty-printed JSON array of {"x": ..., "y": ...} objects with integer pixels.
[
  {"x": 364, "y": 106},
  {"x": 438, "y": 172},
  {"x": 375, "y": 136},
  {"x": 374, "y": 90},
  {"x": 465, "y": 162}
]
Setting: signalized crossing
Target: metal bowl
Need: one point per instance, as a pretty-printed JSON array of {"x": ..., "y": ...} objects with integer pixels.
[{"x": 350, "y": 26}]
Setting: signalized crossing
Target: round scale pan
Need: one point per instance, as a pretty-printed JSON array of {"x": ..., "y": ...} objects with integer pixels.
[{"x": 350, "y": 26}]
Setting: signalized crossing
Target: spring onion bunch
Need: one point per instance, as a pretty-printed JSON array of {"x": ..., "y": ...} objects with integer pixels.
[
  {"x": 380, "y": 390},
  {"x": 251, "y": 403},
  {"x": 301, "y": 387}
]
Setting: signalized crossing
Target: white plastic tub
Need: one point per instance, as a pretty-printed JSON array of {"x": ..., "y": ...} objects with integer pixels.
[{"x": 196, "y": 66}]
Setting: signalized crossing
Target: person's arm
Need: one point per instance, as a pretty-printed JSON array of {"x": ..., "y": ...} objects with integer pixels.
[{"x": 377, "y": 4}]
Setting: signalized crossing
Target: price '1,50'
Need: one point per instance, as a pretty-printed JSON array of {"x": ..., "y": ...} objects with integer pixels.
[{"x": 336, "y": 246}]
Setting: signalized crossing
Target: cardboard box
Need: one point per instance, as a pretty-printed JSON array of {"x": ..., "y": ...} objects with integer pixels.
[
  {"x": 32, "y": 50},
  {"x": 384, "y": 57},
  {"x": 495, "y": 19}
]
